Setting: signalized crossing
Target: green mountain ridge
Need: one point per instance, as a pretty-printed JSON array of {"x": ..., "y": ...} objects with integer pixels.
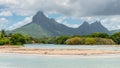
[
  {"x": 44, "y": 26},
  {"x": 32, "y": 29}
]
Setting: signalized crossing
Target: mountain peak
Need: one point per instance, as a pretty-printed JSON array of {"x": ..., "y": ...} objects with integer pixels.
[
  {"x": 85, "y": 23},
  {"x": 38, "y": 17},
  {"x": 98, "y": 27},
  {"x": 96, "y": 23},
  {"x": 40, "y": 13},
  {"x": 41, "y": 25}
]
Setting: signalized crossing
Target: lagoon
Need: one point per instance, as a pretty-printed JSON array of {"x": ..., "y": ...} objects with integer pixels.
[
  {"x": 50, "y": 61},
  {"x": 11, "y": 60},
  {"x": 53, "y": 46}
]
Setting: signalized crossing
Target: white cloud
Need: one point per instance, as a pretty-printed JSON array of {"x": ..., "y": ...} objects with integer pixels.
[
  {"x": 5, "y": 13},
  {"x": 61, "y": 19},
  {"x": 72, "y": 8},
  {"x": 90, "y": 19},
  {"x": 112, "y": 22},
  {"x": 87, "y": 9},
  {"x": 21, "y": 23},
  {"x": 71, "y": 25},
  {"x": 3, "y": 20}
]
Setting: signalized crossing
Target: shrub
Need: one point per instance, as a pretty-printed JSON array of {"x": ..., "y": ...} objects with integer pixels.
[
  {"x": 104, "y": 41},
  {"x": 99, "y": 35},
  {"x": 4, "y": 41},
  {"x": 61, "y": 40},
  {"x": 17, "y": 39},
  {"x": 116, "y": 37},
  {"x": 90, "y": 41},
  {"x": 74, "y": 41}
]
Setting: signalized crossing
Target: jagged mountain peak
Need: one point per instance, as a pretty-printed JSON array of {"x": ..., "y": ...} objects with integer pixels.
[
  {"x": 38, "y": 17},
  {"x": 96, "y": 23},
  {"x": 41, "y": 25},
  {"x": 40, "y": 12},
  {"x": 96, "y": 26},
  {"x": 85, "y": 23}
]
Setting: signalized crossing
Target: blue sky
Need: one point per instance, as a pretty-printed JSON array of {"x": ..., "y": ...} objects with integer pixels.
[{"x": 72, "y": 13}]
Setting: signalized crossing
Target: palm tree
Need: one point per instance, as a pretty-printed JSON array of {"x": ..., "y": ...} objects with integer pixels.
[{"x": 3, "y": 33}]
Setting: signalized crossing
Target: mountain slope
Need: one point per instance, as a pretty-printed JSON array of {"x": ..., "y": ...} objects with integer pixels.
[
  {"x": 43, "y": 26},
  {"x": 87, "y": 28},
  {"x": 84, "y": 29},
  {"x": 98, "y": 27},
  {"x": 33, "y": 30}
]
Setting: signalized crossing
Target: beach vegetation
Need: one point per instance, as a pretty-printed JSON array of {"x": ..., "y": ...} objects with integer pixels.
[
  {"x": 99, "y": 35},
  {"x": 17, "y": 39},
  {"x": 116, "y": 37},
  {"x": 61, "y": 39},
  {"x": 90, "y": 41},
  {"x": 74, "y": 41}
]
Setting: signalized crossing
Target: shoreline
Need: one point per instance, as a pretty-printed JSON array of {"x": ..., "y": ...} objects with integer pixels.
[{"x": 38, "y": 51}]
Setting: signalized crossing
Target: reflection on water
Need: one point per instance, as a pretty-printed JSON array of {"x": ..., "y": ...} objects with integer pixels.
[
  {"x": 34, "y": 61},
  {"x": 52, "y": 46}
]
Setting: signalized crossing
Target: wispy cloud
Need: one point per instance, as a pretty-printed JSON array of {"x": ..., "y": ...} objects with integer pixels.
[
  {"x": 6, "y": 13},
  {"x": 3, "y": 20},
  {"x": 21, "y": 23}
]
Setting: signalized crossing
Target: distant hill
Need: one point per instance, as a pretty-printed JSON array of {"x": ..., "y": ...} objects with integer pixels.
[
  {"x": 43, "y": 26},
  {"x": 87, "y": 28}
]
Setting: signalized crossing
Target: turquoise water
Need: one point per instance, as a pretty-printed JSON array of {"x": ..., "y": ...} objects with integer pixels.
[
  {"x": 61, "y": 61},
  {"x": 35, "y": 61},
  {"x": 52, "y": 46}
]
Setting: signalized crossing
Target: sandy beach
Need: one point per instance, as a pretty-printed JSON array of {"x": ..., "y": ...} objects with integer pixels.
[{"x": 23, "y": 50}]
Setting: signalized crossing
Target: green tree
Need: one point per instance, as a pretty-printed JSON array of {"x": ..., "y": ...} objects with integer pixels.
[
  {"x": 17, "y": 39},
  {"x": 51, "y": 40},
  {"x": 4, "y": 41},
  {"x": 27, "y": 39},
  {"x": 61, "y": 39},
  {"x": 3, "y": 33},
  {"x": 99, "y": 35},
  {"x": 116, "y": 37}
]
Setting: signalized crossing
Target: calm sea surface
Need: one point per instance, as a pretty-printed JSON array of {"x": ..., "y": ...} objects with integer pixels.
[
  {"x": 35, "y": 61},
  {"x": 57, "y": 61},
  {"x": 52, "y": 46}
]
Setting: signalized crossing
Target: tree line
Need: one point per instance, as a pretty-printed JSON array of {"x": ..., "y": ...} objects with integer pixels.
[
  {"x": 13, "y": 39},
  {"x": 92, "y": 39}
]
